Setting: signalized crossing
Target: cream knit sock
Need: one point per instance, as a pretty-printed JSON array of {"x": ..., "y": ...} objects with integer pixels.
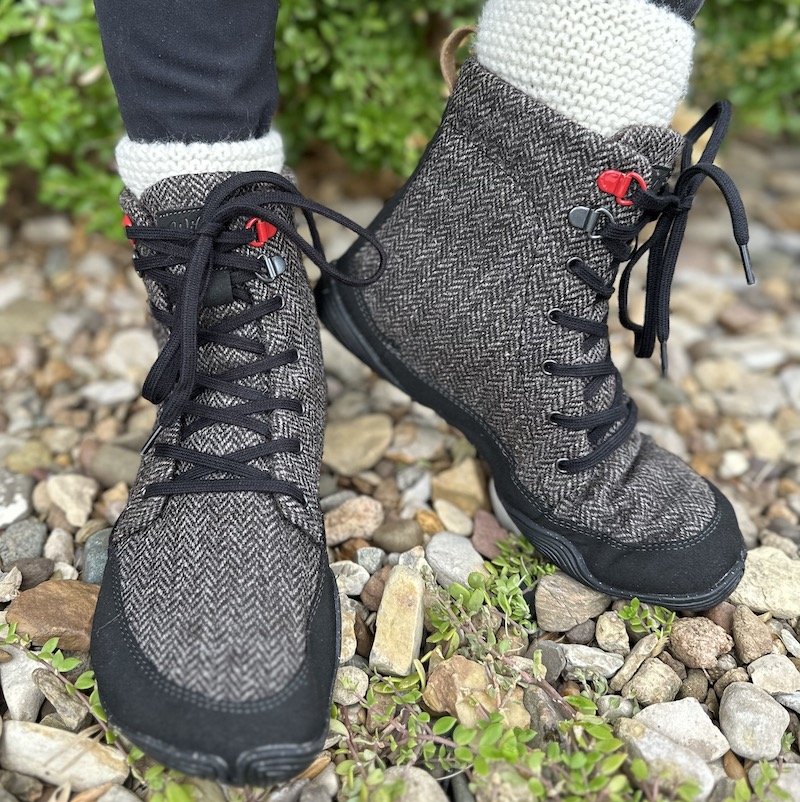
[
  {"x": 142, "y": 164},
  {"x": 606, "y": 64}
]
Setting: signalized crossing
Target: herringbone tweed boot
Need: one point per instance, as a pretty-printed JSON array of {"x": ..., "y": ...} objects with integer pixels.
[
  {"x": 215, "y": 640},
  {"x": 503, "y": 249}
]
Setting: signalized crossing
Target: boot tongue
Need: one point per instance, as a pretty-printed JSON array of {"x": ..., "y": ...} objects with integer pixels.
[{"x": 178, "y": 200}]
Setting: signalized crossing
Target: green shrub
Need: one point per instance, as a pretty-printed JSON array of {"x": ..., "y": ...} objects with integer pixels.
[{"x": 360, "y": 75}]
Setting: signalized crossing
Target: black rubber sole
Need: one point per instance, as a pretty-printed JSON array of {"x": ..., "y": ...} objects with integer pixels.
[
  {"x": 260, "y": 766},
  {"x": 556, "y": 547}
]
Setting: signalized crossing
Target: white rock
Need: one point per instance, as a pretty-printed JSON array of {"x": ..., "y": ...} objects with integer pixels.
[
  {"x": 59, "y": 757},
  {"x": 350, "y": 577},
  {"x": 15, "y": 497},
  {"x": 73, "y": 495},
  {"x": 686, "y": 723},
  {"x": 454, "y": 519},
  {"x": 752, "y": 721},
  {"x": 22, "y": 695},
  {"x": 110, "y": 392},
  {"x": 774, "y": 673},
  {"x": 589, "y": 660},
  {"x": 351, "y": 685},
  {"x": 503, "y": 518},
  {"x": 417, "y": 785},
  {"x": 9, "y": 584},
  {"x": 130, "y": 354},
  {"x": 347, "y": 642},
  {"x": 771, "y": 583},
  {"x": 59, "y": 547},
  {"x": 453, "y": 558},
  {"x": 562, "y": 603}
]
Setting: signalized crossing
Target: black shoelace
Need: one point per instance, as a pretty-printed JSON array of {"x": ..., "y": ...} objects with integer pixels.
[
  {"x": 669, "y": 208},
  {"x": 174, "y": 381}
]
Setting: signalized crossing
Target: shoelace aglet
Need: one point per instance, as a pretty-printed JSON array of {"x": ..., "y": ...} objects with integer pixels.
[
  {"x": 664, "y": 358},
  {"x": 152, "y": 439},
  {"x": 748, "y": 265}
]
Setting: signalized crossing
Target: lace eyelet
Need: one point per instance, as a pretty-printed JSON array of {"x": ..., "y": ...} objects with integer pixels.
[
  {"x": 574, "y": 262},
  {"x": 281, "y": 301},
  {"x": 561, "y": 465},
  {"x": 547, "y": 367},
  {"x": 554, "y": 417},
  {"x": 554, "y": 314},
  {"x": 296, "y": 357},
  {"x": 302, "y": 410}
]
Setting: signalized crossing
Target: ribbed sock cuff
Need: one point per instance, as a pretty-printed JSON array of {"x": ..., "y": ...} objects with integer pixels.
[
  {"x": 142, "y": 164},
  {"x": 606, "y": 65}
]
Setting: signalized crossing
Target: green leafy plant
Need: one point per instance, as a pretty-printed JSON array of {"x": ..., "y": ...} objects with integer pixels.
[{"x": 647, "y": 618}]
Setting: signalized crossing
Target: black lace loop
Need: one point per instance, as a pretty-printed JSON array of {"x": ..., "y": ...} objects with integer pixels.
[
  {"x": 208, "y": 253},
  {"x": 610, "y": 428},
  {"x": 671, "y": 210}
]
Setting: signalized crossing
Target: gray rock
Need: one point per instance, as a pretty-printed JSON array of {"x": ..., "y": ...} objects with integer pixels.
[
  {"x": 583, "y": 633},
  {"x": 370, "y": 558},
  {"x": 452, "y": 558},
  {"x": 654, "y": 683},
  {"x": 15, "y": 497},
  {"x": 350, "y": 577},
  {"x": 351, "y": 685},
  {"x": 22, "y": 695},
  {"x": 336, "y": 499},
  {"x": 790, "y": 642},
  {"x": 500, "y": 512},
  {"x": 546, "y": 715},
  {"x": 552, "y": 659},
  {"x": 752, "y": 721},
  {"x": 70, "y": 709},
  {"x": 118, "y": 794},
  {"x": 789, "y": 700},
  {"x": 687, "y": 724},
  {"x": 417, "y": 785},
  {"x": 398, "y": 536},
  {"x": 611, "y": 634},
  {"x": 22, "y": 540},
  {"x": 639, "y": 653},
  {"x": 112, "y": 464},
  {"x": 589, "y": 660},
  {"x": 771, "y": 583},
  {"x": 695, "y": 686},
  {"x": 672, "y": 764},
  {"x": 10, "y": 582},
  {"x": 612, "y": 707},
  {"x": 59, "y": 757},
  {"x": 562, "y": 603},
  {"x": 356, "y": 445},
  {"x": 774, "y": 673},
  {"x": 95, "y": 555}
]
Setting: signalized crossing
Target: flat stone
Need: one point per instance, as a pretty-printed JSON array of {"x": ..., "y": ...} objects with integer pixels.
[
  {"x": 654, "y": 683},
  {"x": 738, "y": 674},
  {"x": 611, "y": 634},
  {"x": 358, "y": 517},
  {"x": 56, "y": 609},
  {"x": 70, "y": 709},
  {"x": 698, "y": 642},
  {"x": 353, "y": 446},
  {"x": 589, "y": 660},
  {"x": 452, "y": 559},
  {"x": 110, "y": 392},
  {"x": 34, "y": 571},
  {"x": 398, "y": 536},
  {"x": 752, "y": 636},
  {"x": 15, "y": 497},
  {"x": 370, "y": 558},
  {"x": 454, "y": 519},
  {"x": 22, "y": 695},
  {"x": 112, "y": 464},
  {"x": 671, "y": 764},
  {"x": 463, "y": 485},
  {"x": 639, "y": 653},
  {"x": 487, "y": 534},
  {"x": 398, "y": 626},
  {"x": 414, "y": 443},
  {"x": 350, "y": 577},
  {"x": 582, "y": 633},
  {"x": 791, "y": 643},
  {"x": 771, "y": 583},
  {"x": 752, "y": 721},
  {"x": 789, "y": 700},
  {"x": 688, "y": 725},
  {"x": 95, "y": 556},
  {"x": 22, "y": 540},
  {"x": 774, "y": 673},
  {"x": 562, "y": 603},
  {"x": 417, "y": 785},
  {"x": 74, "y": 495},
  {"x": 351, "y": 685},
  {"x": 58, "y": 757}
]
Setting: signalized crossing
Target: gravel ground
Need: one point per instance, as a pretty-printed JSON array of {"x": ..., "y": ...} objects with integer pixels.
[{"x": 707, "y": 700}]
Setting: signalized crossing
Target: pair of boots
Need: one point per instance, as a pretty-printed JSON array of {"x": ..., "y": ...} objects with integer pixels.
[{"x": 481, "y": 290}]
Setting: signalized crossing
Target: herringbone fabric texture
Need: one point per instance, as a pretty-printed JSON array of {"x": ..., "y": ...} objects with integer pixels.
[
  {"x": 217, "y": 587},
  {"x": 478, "y": 247}
]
